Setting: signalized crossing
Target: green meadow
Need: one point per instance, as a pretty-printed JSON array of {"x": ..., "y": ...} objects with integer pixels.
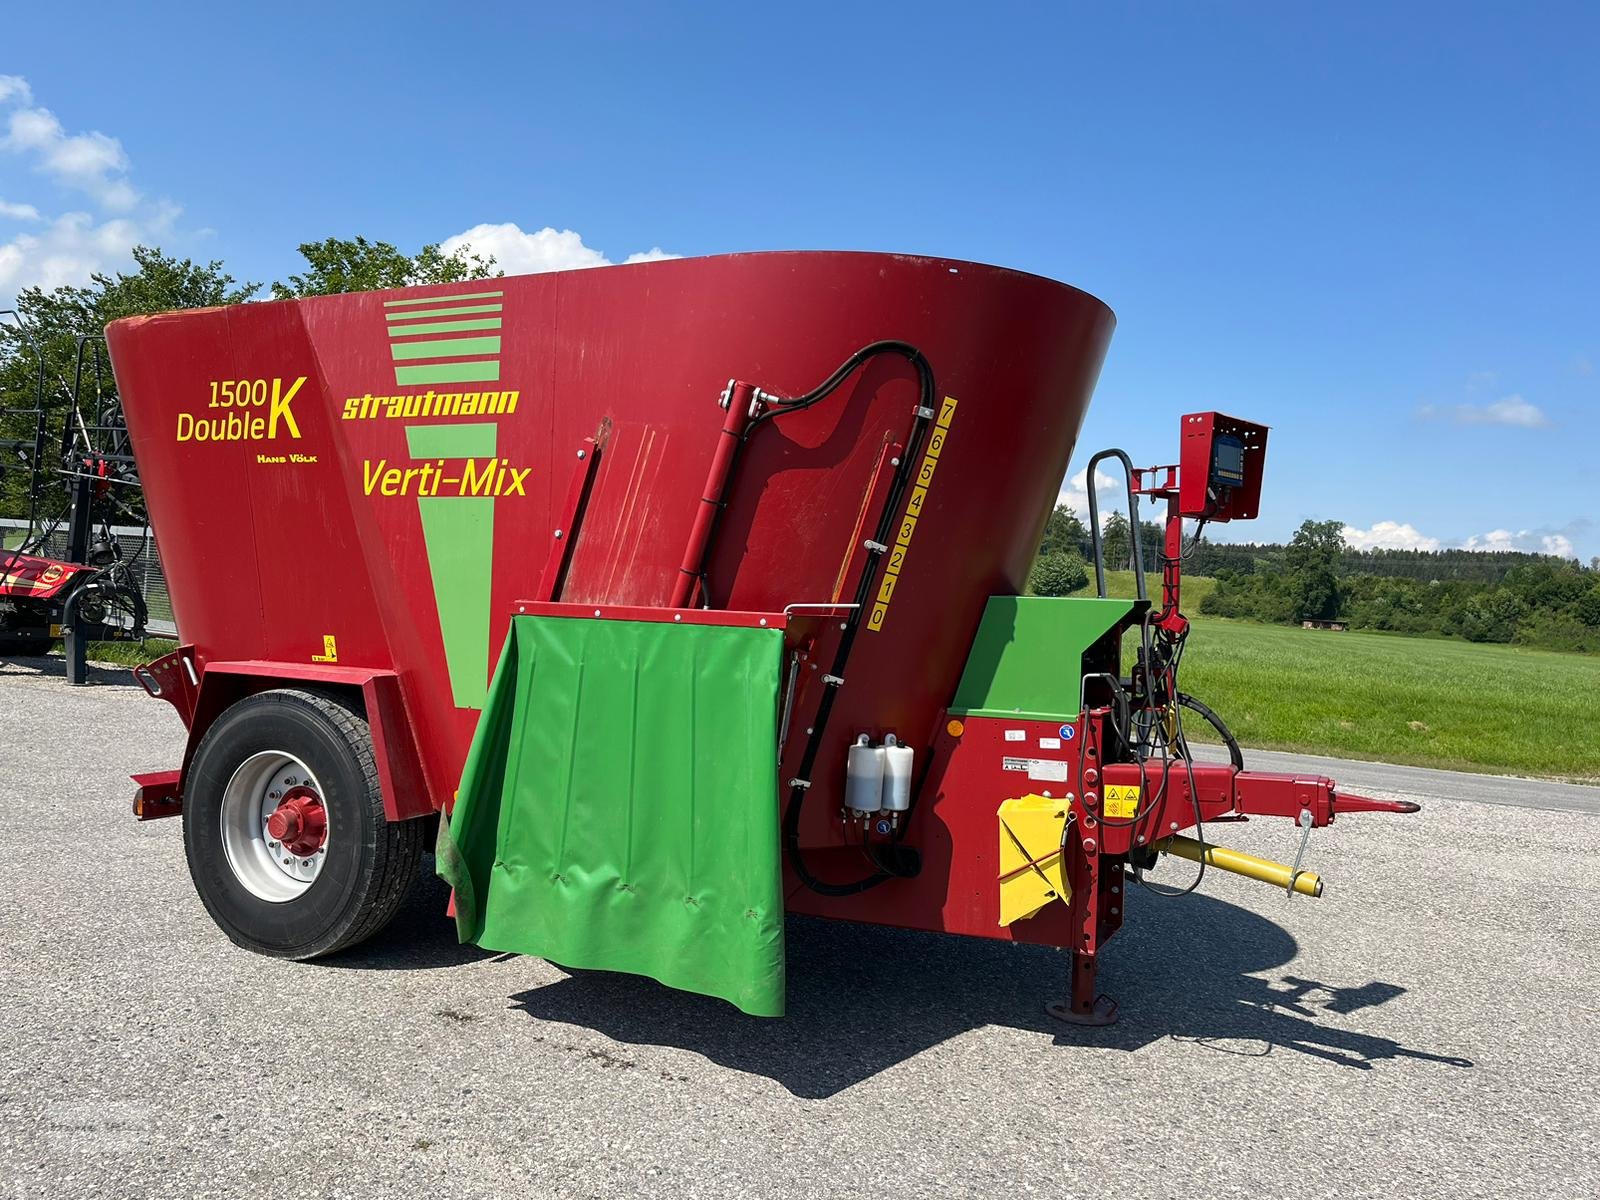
[{"x": 1428, "y": 702}]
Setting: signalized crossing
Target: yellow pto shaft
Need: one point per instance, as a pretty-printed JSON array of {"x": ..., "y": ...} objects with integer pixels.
[{"x": 1307, "y": 883}]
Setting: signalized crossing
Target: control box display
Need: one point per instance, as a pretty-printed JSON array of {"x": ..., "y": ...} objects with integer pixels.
[{"x": 1220, "y": 467}]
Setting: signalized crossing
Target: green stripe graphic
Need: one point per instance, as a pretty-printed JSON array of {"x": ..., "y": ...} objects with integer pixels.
[
  {"x": 459, "y": 534},
  {"x": 441, "y": 312},
  {"x": 441, "y": 299},
  {"x": 449, "y": 372},
  {"x": 444, "y": 326},
  {"x": 451, "y": 441},
  {"x": 458, "y": 347}
]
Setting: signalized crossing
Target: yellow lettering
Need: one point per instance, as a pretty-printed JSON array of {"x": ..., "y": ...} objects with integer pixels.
[
  {"x": 476, "y": 481},
  {"x": 281, "y": 401}
]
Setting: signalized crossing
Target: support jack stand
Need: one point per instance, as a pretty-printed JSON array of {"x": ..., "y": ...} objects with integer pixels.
[
  {"x": 1102, "y": 1012},
  {"x": 1083, "y": 1006}
]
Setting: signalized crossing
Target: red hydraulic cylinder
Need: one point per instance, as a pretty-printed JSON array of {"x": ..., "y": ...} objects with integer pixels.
[{"x": 741, "y": 403}]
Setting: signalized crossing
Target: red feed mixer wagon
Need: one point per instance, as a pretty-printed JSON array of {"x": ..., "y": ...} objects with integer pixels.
[{"x": 691, "y": 594}]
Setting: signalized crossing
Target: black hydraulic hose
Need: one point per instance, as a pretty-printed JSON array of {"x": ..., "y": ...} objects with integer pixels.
[
  {"x": 1235, "y": 755},
  {"x": 779, "y": 407},
  {"x": 800, "y": 784}
]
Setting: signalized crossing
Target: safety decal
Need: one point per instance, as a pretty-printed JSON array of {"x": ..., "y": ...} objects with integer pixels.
[{"x": 1122, "y": 801}]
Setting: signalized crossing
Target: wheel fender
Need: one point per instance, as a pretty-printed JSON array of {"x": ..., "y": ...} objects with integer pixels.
[{"x": 401, "y": 777}]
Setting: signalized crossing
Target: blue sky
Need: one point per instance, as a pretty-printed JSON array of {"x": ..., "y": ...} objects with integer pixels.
[{"x": 1372, "y": 226}]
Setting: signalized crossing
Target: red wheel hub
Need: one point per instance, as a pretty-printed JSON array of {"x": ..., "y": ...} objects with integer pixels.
[{"x": 299, "y": 822}]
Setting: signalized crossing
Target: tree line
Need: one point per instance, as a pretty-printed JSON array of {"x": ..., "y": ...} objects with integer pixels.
[
  {"x": 1528, "y": 599},
  {"x": 1505, "y": 596}
]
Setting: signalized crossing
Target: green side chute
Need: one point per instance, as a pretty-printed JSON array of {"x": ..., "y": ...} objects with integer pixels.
[{"x": 618, "y": 810}]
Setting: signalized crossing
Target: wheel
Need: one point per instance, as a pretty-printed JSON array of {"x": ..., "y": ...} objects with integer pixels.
[{"x": 284, "y": 829}]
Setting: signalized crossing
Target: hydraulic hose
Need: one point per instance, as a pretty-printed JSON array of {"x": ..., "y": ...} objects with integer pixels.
[
  {"x": 1235, "y": 755},
  {"x": 923, "y": 416}
]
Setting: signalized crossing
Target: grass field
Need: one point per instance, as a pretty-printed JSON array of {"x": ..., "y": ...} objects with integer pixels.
[{"x": 1423, "y": 701}]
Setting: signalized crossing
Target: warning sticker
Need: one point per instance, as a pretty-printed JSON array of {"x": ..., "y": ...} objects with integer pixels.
[
  {"x": 1016, "y": 735},
  {"x": 1122, "y": 801},
  {"x": 1037, "y": 768}
]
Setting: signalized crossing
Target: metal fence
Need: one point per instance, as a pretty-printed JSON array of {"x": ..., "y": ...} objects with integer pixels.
[{"x": 138, "y": 546}]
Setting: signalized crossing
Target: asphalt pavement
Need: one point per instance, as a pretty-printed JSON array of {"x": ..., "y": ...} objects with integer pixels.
[{"x": 1428, "y": 1028}]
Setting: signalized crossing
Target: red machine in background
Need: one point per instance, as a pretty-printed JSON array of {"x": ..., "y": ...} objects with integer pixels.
[
  {"x": 64, "y": 575},
  {"x": 358, "y": 495}
]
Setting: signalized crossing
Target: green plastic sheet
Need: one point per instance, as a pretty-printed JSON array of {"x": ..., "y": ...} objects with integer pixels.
[{"x": 618, "y": 810}]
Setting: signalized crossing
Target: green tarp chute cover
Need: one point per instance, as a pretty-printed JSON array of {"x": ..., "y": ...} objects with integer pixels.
[{"x": 618, "y": 810}]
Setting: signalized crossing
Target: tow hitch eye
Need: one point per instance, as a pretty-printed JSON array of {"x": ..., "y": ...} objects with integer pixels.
[{"x": 299, "y": 822}]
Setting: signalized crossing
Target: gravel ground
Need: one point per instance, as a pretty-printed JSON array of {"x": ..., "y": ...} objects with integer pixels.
[{"x": 1428, "y": 1028}]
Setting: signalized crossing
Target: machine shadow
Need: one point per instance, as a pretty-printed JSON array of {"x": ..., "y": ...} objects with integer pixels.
[
  {"x": 864, "y": 998},
  {"x": 420, "y": 937},
  {"x": 53, "y": 666}
]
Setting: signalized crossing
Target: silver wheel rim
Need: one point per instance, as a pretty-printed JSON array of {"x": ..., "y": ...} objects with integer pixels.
[{"x": 263, "y": 865}]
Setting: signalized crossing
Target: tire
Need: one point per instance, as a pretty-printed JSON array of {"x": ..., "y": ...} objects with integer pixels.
[{"x": 347, "y": 890}]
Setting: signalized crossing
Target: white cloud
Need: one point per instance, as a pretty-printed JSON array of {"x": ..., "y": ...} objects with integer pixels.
[
  {"x": 521, "y": 253},
  {"x": 1075, "y": 493},
  {"x": 654, "y": 254},
  {"x": 1511, "y": 410},
  {"x": 90, "y": 162},
  {"x": 1558, "y": 544},
  {"x": 18, "y": 212},
  {"x": 68, "y": 250},
  {"x": 68, "y": 247},
  {"x": 1399, "y": 535},
  {"x": 1531, "y": 540},
  {"x": 1388, "y": 535}
]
